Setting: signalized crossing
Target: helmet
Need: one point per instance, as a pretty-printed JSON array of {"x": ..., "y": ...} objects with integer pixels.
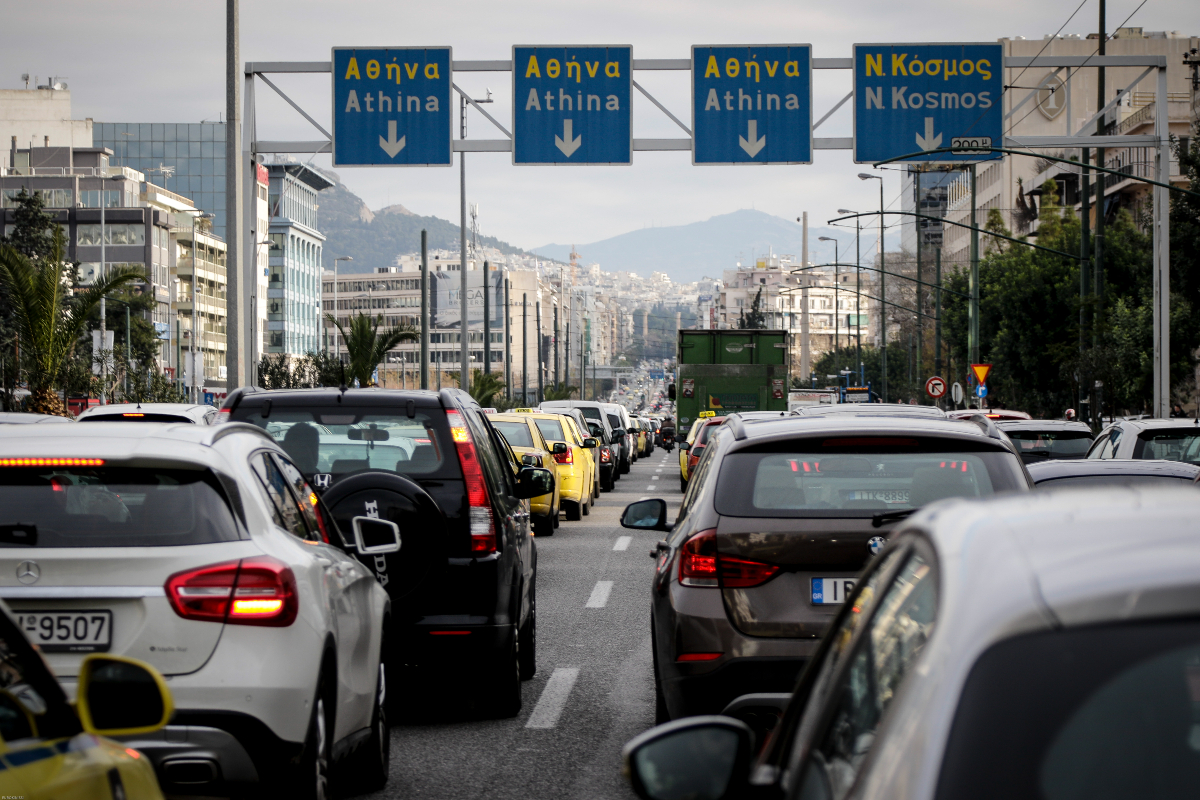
[{"x": 1070, "y": 413}]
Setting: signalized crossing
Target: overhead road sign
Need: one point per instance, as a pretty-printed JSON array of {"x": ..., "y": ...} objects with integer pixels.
[
  {"x": 572, "y": 105},
  {"x": 752, "y": 104},
  {"x": 910, "y": 98},
  {"x": 981, "y": 371},
  {"x": 392, "y": 107},
  {"x": 935, "y": 387}
]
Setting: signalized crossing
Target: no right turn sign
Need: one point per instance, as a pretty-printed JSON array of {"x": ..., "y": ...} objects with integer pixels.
[{"x": 935, "y": 387}]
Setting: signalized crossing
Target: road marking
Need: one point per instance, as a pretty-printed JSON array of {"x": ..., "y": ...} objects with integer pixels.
[
  {"x": 652, "y": 486},
  {"x": 554, "y": 698},
  {"x": 622, "y": 543},
  {"x": 653, "y": 477},
  {"x": 600, "y": 594},
  {"x": 658, "y": 470}
]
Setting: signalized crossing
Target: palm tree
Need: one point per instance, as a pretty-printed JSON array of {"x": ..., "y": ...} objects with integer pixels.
[
  {"x": 484, "y": 387},
  {"x": 367, "y": 346},
  {"x": 48, "y": 319},
  {"x": 560, "y": 391}
]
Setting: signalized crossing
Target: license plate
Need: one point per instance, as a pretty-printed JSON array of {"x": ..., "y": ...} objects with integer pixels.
[
  {"x": 68, "y": 631},
  {"x": 831, "y": 591},
  {"x": 892, "y": 496}
]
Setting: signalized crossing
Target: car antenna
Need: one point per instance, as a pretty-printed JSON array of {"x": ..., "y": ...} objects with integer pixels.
[{"x": 342, "y": 387}]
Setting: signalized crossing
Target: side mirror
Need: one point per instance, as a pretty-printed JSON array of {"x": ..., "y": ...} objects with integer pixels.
[
  {"x": 706, "y": 758},
  {"x": 558, "y": 448},
  {"x": 646, "y": 515},
  {"x": 671, "y": 391},
  {"x": 530, "y": 460},
  {"x": 534, "y": 482},
  {"x": 120, "y": 696},
  {"x": 590, "y": 442},
  {"x": 376, "y": 536},
  {"x": 618, "y": 433}
]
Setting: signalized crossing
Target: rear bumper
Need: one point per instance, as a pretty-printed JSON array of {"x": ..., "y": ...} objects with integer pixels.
[
  {"x": 446, "y": 645},
  {"x": 571, "y": 483},
  {"x": 709, "y": 692}
]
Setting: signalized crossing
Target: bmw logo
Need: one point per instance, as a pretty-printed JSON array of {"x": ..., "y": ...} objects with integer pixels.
[{"x": 876, "y": 544}]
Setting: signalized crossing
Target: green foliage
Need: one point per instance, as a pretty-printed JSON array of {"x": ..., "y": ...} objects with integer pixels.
[
  {"x": 31, "y": 235},
  {"x": 145, "y": 342},
  {"x": 151, "y": 386},
  {"x": 367, "y": 346},
  {"x": 486, "y": 389},
  {"x": 899, "y": 357},
  {"x": 278, "y": 371},
  {"x": 755, "y": 318},
  {"x": 560, "y": 391}
]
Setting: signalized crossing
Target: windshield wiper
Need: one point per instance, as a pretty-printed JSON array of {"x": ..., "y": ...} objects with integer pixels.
[{"x": 891, "y": 516}]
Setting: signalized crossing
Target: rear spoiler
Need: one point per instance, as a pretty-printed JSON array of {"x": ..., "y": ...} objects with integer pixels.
[{"x": 992, "y": 432}]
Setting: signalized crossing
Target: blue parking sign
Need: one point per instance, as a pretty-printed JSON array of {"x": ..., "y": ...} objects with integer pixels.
[
  {"x": 571, "y": 105},
  {"x": 910, "y": 98},
  {"x": 752, "y": 104},
  {"x": 392, "y": 106}
]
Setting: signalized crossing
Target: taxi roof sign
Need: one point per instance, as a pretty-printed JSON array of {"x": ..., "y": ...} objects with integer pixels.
[
  {"x": 981, "y": 371},
  {"x": 706, "y": 414},
  {"x": 524, "y": 410}
]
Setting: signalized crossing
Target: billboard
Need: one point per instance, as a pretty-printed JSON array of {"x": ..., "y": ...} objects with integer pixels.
[{"x": 445, "y": 309}]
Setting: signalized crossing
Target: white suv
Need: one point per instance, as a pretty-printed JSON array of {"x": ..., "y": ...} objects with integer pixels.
[{"x": 202, "y": 551}]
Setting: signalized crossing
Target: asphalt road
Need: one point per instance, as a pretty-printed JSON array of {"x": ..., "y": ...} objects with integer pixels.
[{"x": 593, "y": 690}]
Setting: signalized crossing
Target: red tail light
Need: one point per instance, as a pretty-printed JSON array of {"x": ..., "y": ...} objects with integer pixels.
[
  {"x": 565, "y": 458},
  {"x": 483, "y": 527},
  {"x": 701, "y": 565},
  {"x": 252, "y": 591}
]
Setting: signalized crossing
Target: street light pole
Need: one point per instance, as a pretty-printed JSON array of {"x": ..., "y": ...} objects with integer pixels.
[
  {"x": 836, "y": 261},
  {"x": 883, "y": 365},
  {"x": 337, "y": 350},
  {"x": 857, "y": 292}
]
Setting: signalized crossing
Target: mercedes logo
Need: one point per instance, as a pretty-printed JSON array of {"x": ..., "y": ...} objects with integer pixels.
[
  {"x": 28, "y": 572},
  {"x": 876, "y": 544}
]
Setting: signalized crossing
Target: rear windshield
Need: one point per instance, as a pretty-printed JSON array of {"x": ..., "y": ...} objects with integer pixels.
[
  {"x": 1105, "y": 712},
  {"x": 614, "y": 421},
  {"x": 517, "y": 433},
  {"x": 138, "y": 417},
  {"x": 342, "y": 440},
  {"x": 551, "y": 429},
  {"x": 858, "y": 477},
  {"x": 1050, "y": 444},
  {"x": 705, "y": 433},
  {"x": 591, "y": 412},
  {"x": 112, "y": 507},
  {"x": 1179, "y": 444},
  {"x": 1114, "y": 480}
]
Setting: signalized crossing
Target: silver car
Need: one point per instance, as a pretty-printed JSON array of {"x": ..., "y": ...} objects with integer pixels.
[
  {"x": 1045, "y": 645},
  {"x": 196, "y": 413}
]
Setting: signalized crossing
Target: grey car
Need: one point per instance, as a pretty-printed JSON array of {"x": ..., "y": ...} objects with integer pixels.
[
  {"x": 1077, "y": 472},
  {"x": 1040, "y": 646},
  {"x": 1166, "y": 439},
  {"x": 779, "y": 518},
  {"x": 1039, "y": 440},
  {"x": 871, "y": 409}
]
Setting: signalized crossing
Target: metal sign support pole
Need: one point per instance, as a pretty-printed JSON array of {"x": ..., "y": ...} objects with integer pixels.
[
  {"x": 973, "y": 333},
  {"x": 1162, "y": 256},
  {"x": 425, "y": 365},
  {"x": 463, "y": 324}
]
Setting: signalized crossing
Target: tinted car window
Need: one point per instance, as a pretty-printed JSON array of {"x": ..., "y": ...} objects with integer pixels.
[
  {"x": 842, "y": 478},
  {"x": 898, "y": 631},
  {"x": 1107, "y": 712},
  {"x": 138, "y": 417},
  {"x": 1105, "y": 445},
  {"x": 1169, "y": 445},
  {"x": 287, "y": 512},
  {"x": 343, "y": 440},
  {"x": 306, "y": 498},
  {"x": 112, "y": 507},
  {"x": 614, "y": 421},
  {"x": 551, "y": 429},
  {"x": 517, "y": 433},
  {"x": 1051, "y": 444}
]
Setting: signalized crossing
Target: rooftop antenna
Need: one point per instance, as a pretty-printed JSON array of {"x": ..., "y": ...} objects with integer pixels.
[{"x": 25, "y": 77}]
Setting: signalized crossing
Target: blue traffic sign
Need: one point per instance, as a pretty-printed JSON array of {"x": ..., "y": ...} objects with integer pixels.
[
  {"x": 914, "y": 97},
  {"x": 981, "y": 390},
  {"x": 752, "y": 105},
  {"x": 571, "y": 105},
  {"x": 392, "y": 107}
]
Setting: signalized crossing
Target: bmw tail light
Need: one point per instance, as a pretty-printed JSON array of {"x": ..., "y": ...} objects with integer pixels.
[
  {"x": 701, "y": 565},
  {"x": 251, "y": 591},
  {"x": 479, "y": 514}
]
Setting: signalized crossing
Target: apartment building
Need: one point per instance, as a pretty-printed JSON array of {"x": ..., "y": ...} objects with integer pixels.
[{"x": 294, "y": 280}]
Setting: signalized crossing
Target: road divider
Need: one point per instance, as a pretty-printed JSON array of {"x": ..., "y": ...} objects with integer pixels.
[{"x": 554, "y": 698}]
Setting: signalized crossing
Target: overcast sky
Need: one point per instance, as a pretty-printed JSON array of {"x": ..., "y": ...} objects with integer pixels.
[{"x": 164, "y": 61}]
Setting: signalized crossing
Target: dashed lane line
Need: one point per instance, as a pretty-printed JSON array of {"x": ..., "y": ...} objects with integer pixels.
[
  {"x": 554, "y": 698},
  {"x": 600, "y": 594},
  {"x": 622, "y": 543}
]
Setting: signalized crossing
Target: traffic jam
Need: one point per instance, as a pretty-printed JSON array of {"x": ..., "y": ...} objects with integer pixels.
[{"x": 849, "y": 598}]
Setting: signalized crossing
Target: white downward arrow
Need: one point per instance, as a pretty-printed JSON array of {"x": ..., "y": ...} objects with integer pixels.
[
  {"x": 390, "y": 145},
  {"x": 929, "y": 141},
  {"x": 565, "y": 142},
  {"x": 754, "y": 144}
]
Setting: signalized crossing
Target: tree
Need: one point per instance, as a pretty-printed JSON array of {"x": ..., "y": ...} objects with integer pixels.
[
  {"x": 560, "y": 391},
  {"x": 756, "y": 319},
  {"x": 48, "y": 321},
  {"x": 279, "y": 371},
  {"x": 31, "y": 235},
  {"x": 367, "y": 346}
]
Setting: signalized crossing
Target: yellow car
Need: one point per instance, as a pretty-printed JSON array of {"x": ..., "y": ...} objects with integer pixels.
[
  {"x": 52, "y": 749},
  {"x": 683, "y": 451},
  {"x": 529, "y": 444},
  {"x": 576, "y": 467}
]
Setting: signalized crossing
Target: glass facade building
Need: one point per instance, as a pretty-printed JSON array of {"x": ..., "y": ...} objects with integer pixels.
[
  {"x": 294, "y": 271},
  {"x": 187, "y": 158}
]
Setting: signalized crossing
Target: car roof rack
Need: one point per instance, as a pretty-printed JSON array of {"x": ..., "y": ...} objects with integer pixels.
[{"x": 735, "y": 423}]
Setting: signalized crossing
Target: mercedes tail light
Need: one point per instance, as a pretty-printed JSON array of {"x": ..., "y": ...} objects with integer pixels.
[
  {"x": 479, "y": 507},
  {"x": 250, "y": 591},
  {"x": 701, "y": 565}
]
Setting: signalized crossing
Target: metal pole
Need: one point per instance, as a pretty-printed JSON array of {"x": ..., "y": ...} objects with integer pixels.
[
  {"x": 937, "y": 315},
  {"x": 507, "y": 338},
  {"x": 862, "y": 380},
  {"x": 836, "y": 310},
  {"x": 973, "y": 332},
  {"x": 103, "y": 307},
  {"x": 463, "y": 326},
  {"x": 235, "y": 205},
  {"x": 178, "y": 349},
  {"x": 1162, "y": 261},
  {"x": 337, "y": 348},
  {"x": 919, "y": 288},
  {"x": 541, "y": 356},
  {"x": 883, "y": 297},
  {"x": 128, "y": 354},
  {"x": 487, "y": 322},
  {"x": 425, "y": 365},
  {"x": 1098, "y": 266},
  {"x": 192, "y": 334},
  {"x": 1084, "y": 246},
  {"x": 805, "y": 356},
  {"x": 524, "y": 347}
]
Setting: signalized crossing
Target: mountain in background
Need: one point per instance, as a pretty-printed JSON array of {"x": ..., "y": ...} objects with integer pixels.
[
  {"x": 374, "y": 238},
  {"x": 689, "y": 252}
]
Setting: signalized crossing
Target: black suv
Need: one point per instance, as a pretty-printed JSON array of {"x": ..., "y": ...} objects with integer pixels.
[
  {"x": 463, "y": 585},
  {"x": 779, "y": 518}
]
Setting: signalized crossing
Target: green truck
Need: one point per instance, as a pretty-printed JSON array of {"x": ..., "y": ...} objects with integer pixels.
[{"x": 730, "y": 370}]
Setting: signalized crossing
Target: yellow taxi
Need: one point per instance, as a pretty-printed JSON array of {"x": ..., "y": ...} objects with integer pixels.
[
  {"x": 691, "y": 439},
  {"x": 51, "y": 749},
  {"x": 640, "y": 442},
  {"x": 528, "y": 443},
  {"x": 576, "y": 467}
]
